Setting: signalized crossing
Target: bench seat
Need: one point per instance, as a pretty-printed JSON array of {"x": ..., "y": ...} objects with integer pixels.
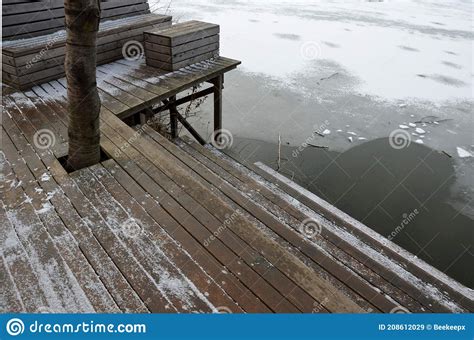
[{"x": 35, "y": 60}]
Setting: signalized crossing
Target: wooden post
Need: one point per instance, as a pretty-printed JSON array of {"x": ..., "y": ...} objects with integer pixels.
[
  {"x": 143, "y": 118},
  {"x": 173, "y": 117},
  {"x": 217, "y": 81}
]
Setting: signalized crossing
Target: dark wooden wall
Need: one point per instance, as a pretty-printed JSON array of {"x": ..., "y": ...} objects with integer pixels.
[{"x": 24, "y": 19}]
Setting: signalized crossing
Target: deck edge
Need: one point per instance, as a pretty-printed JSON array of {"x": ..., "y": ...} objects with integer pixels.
[{"x": 423, "y": 265}]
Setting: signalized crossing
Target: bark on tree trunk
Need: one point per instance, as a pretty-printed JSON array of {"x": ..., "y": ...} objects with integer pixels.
[{"x": 82, "y": 24}]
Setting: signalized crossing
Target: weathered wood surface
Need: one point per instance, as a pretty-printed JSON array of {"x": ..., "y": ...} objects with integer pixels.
[
  {"x": 26, "y": 19},
  {"x": 181, "y": 45},
  {"x": 163, "y": 227},
  {"x": 36, "y": 60}
]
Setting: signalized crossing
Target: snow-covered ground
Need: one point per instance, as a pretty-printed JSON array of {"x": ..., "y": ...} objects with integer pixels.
[{"x": 355, "y": 71}]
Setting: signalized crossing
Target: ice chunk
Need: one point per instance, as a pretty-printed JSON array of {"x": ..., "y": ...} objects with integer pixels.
[
  {"x": 326, "y": 132},
  {"x": 419, "y": 141},
  {"x": 462, "y": 153},
  {"x": 402, "y": 126},
  {"x": 412, "y": 124},
  {"x": 420, "y": 131}
]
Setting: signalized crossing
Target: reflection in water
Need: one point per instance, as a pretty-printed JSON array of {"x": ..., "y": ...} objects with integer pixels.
[{"x": 401, "y": 194}]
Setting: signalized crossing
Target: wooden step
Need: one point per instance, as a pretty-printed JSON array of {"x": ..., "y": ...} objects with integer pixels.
[{"x": 37, "y": 60}]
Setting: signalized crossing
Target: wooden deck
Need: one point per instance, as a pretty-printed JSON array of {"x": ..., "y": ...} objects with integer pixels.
[{"x": 177, "y": 227}]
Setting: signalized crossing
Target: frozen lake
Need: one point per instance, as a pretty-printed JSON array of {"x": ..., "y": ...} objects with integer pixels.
[{"x": 346, "y": 75}]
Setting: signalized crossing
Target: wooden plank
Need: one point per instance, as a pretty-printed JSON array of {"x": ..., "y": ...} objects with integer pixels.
[
  {"x": 203, "y": 193},
  {"x": 149, "y": 256},
  {"x": 10, "y": 301},
  {"x": 66, "y": 244},
  {"x": 109, "y": 175},
  {"x": 108, "y": 28},
  {"x": 176, "y": 66},
  {"x": 60, "y": 287},
  {"x": 127, "y": 87},
  {"x": 168, "y": 214},
  {"x": 245, "y": 230},
  {"x": 323, "y": 253},
  {"x": 413, "y": 288},
  {"x": 153, "y": 300},
  {"x": 273, "y": 203},
  {"x": 225, "y": 254},
  {"x": 19, "y": 266},
  {"x": 166, "y": 85},
  {"x": 181, "y": 48},
  {"x": 42, "y": 59},
  {"x": 230, "y": 264},
  {"x": 363, "y": 288},
  {"x": 178, "y": 57},
  {"x": 113, "y": 279},
  {"x": 298, "y": 242},
  {"x": 255, "y": 304},
  {"x": 26, "y": 20},
  {"x": 182, "y": 33},
  {"x": 53, "y": 137},
  {"x": 10, "y": 9}
]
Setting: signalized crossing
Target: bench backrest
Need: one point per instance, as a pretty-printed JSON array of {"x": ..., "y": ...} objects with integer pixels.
[{"x": 24, "y": 19}]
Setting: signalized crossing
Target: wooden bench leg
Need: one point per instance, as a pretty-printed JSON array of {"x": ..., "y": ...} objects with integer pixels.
[
  {"x": 143, "y": 118},
  {"x": 217, "y": 81},
  {"x": 173, "y": 118}
]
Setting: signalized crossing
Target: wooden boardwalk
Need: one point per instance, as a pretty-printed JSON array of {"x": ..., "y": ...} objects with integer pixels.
[{"x": 177, "y": 227}]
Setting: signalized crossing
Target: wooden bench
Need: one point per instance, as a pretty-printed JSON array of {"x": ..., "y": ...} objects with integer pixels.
[
  {"x": 181, "y": 45},
  {"x": 39, "y": 59},
  {"x": 25, "y": 19}
]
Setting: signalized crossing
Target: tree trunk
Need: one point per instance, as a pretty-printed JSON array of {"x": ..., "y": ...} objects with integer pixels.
[{"x": 82, "y": 24}]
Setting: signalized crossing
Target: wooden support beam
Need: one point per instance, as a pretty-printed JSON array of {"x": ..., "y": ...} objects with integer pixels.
[
  {"x": 143, "y": 117},
  {"x": 217, "y": 81},
  {"x": 191, "y": 130},
  {"x": 185, "y": 99},
  {"x": 173, "y": 117},
  {"x": 174, "y": 111}
]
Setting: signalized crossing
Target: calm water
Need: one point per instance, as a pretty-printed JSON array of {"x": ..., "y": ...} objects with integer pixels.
[{"x": 357, "y": 71}]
